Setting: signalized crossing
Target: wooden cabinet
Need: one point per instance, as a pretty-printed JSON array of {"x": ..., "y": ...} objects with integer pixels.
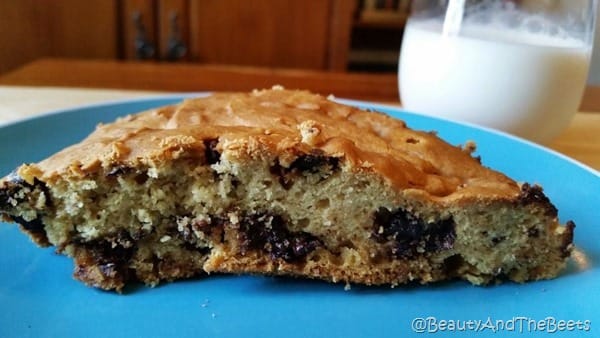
[
  {"x": 67, "y": 28},
  {"x": 286, "y": 33},
  {"x": 307, "y": 34},
  {"x": 312, "y": 34},
  {"x": 137, "y": 38}
]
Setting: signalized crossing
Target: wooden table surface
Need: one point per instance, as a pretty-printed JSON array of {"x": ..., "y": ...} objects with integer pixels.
[{"x": 50, "y": 84}]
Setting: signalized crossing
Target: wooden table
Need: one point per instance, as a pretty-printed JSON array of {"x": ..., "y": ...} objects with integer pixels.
[{"x": 57, "y": 83}]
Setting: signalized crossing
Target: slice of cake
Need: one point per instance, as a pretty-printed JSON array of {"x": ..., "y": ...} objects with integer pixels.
[{"x": 283, "y": 183}]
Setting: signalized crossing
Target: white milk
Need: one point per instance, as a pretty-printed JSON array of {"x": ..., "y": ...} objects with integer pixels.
[{"x": 526, "y": 84}]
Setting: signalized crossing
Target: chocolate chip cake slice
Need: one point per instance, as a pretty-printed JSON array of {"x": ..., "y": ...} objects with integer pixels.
[{"x": 281, "y": 182}]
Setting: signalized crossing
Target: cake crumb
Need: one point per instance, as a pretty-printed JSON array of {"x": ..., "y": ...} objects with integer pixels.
[
  {"x": 310, "y": 132},
  {"x": 470, "y": 147}
]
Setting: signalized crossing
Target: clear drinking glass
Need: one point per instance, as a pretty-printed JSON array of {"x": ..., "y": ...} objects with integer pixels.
[{"x": 519, "y": 66}]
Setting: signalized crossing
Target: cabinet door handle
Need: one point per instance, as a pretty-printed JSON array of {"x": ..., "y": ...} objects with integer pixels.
[
  {"x": 144, "y": 48},
  {"x": 176, "y": 48}
]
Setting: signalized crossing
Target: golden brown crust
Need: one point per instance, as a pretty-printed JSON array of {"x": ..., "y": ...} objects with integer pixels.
[{"x": 289, "y": 122}]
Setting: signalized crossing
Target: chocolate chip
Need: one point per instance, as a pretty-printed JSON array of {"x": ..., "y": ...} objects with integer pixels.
[
  {"x": 452, "y": 265},
  {"x": 119, "y": 171},
  {"x": 33, "y": 226},
  {"x": 399, "y": 224},
  {"x": 124, "y": 239},
  {"x": 282, "y": 174},
  {"x": 316, "y": 162},
  {"x": 404, "y": 232},
  {"x": 211, "y": 154},
  {"x": 568, "y": 240},
  {"x": 205, "y": 250},
  {"x": 268, "y": 233},
  {"x": 109, "y": 256},
  {"x": 12, "y": 187},
  {"x": 16, "y": 190},
  {"x": 533, "y": 232},
  {"x": 292, "y": 246},
  {"x": 5, "y": 196},
  {"x": 403, "y": 248},
  {"x": 441, "y": 236},
  {"x": 535, "y": 195},
  {"x": 141, "y": 178},
  {"x": 498, "y": 239},
  {"x": 100, "y": 264}
]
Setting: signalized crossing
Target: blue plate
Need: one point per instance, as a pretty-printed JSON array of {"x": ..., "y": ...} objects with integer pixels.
[{"x": 38, "y": 297}]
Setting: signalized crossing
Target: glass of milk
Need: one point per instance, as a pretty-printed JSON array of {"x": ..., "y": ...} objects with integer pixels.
[{"x": 520, "y": 66}]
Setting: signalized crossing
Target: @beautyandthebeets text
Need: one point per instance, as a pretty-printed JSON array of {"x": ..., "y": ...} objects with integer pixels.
[{"x": 520, "y": 324}]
